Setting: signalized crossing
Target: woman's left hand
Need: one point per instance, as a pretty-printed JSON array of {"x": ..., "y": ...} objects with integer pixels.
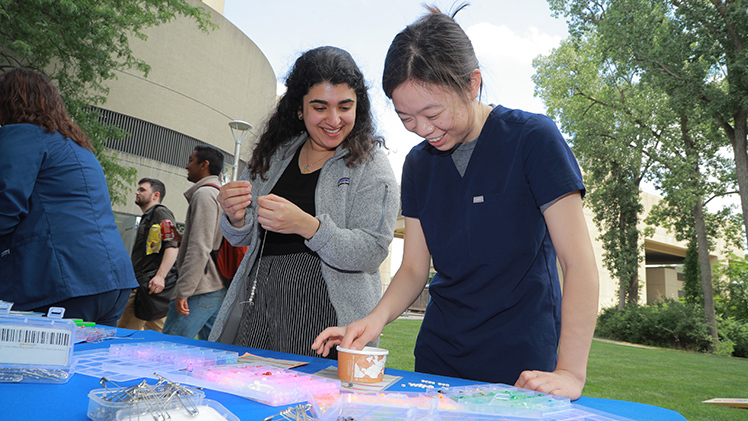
[
  {"x": 279, "y": 215},
  {"x": 560, "y": 383}
]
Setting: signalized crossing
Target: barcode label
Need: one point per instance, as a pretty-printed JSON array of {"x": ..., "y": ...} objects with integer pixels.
[
  {"x": 33, "y": 336},
  {"x": 35, "y": 345}
]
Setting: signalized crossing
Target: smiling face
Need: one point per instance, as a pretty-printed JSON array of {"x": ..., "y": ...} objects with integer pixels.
[
  {"x": 329, "y": 113},
  {"x": 441, "y": 116}
]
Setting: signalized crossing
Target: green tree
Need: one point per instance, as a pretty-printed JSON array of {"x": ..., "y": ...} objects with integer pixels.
[
  {"x": 614, "y": 132},
  {"x": 696, "y": 50},
  {"x": 732, "y": 289},
  {"x": 692, "y": 275},
  {"x": 635, "y": 35},
  {"x": 690, "y": 173},
  {"x": 80, "y": 44}
]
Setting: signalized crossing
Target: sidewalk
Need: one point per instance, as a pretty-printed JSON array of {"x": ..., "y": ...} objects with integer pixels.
[
  {"x": 409, "y": 314},
  {"x": 624, "y": 343}
]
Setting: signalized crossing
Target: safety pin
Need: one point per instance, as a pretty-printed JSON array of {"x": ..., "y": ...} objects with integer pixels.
[{"x": 294, "y": 413}]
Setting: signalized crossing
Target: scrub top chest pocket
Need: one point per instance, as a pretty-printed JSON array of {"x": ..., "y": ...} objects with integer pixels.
[{"x": 500, "y": 225}]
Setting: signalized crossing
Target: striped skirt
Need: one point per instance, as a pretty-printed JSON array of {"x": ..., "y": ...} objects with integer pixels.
[{"x": 291, "y": 305}]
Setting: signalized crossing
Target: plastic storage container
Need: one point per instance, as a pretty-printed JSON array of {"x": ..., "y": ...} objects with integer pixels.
[
  {"x": 209, "y": 410},
  {"x": 185, "y": 357},
  {"x": 269, "y": 385},
  {"x": 103, "y": 405},
  {"x": 35, "y": 349},
  {"x": 506, "y": 400},
  {"x": 413, "y": 406}
]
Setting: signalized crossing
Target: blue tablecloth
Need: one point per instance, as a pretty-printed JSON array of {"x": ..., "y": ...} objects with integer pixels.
[{"x": 69, "y": 401}]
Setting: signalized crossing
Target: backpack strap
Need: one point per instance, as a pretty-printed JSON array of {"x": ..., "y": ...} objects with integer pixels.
[
  {"x": 214, "y": 253},
  {"x": 150, "y": 215}
]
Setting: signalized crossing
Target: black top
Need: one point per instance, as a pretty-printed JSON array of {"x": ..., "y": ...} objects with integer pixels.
[
  {"x": 142, "y": 262},
  {"x": 299, "y": 189}
]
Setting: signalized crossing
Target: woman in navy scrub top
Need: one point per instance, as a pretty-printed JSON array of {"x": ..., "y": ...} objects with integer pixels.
[{"x": 494, "y": 197}]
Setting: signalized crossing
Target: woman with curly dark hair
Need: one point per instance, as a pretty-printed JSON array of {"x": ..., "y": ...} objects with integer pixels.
[
  {"x": 59, "y": 244},
  {"x": 320, "y": 216}
]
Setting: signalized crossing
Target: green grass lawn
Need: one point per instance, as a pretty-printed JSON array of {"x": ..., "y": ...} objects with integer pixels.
[
  {"x": 399, "y": 337},
  {"x": 676, "y": 380}
]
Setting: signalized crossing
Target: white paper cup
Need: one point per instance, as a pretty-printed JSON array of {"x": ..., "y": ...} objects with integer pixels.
[{"x": 365, "y": 366}]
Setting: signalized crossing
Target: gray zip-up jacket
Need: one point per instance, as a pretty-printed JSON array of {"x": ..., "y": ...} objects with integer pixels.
[{"x": 357, "y": 208}]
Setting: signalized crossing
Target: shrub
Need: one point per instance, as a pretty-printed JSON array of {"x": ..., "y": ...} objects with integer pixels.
[
  {"x": 731, "y": 289},
  {"x": 667, "y": 323},
  {"x": 724, "y": 348},
  {"x": 672, "y": 324},
  {"x": 617, "y": 325},
  {"x": 735, "y": 331}
]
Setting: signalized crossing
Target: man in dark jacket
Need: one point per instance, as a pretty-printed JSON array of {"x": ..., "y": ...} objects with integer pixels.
[{"x": 152, "y": 267}]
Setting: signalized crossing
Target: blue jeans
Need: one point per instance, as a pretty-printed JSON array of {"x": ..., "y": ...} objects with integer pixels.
[{"x": 203, "y": 311}]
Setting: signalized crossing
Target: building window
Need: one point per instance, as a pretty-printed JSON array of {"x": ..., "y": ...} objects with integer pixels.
[{"x": 151, "y": 141}]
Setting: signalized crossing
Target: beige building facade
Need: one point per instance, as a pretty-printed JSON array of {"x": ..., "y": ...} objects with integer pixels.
[
  {"x": 660, "y": 272},
  {"x": 198, "y": 83}
]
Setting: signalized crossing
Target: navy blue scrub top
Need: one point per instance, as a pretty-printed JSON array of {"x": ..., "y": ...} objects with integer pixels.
[{"x": 495, "y": 306}]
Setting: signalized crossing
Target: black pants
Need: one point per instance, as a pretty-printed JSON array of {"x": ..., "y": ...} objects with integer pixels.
[{"x": 104, "y": 308}]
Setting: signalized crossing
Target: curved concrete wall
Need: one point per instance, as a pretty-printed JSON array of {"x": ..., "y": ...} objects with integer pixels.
[{"x": 198, "y": 83}]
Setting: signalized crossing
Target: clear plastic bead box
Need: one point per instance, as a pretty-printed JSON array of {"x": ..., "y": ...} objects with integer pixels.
[
  {"x": 173, "y": 354},
  {"x": 504, "y": 399},
  {"x": 36, "y": 349},
  {"x": 269, "y": 385}
]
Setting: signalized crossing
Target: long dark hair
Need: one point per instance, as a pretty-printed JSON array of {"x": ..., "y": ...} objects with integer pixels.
[
  {"x": 319, "y": 65},
  {"x": 30, "y": 97},
  {"x": 433, "y": 50}
]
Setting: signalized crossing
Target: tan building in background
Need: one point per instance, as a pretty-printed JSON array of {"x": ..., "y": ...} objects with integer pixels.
[{"x": 198, "y": 83}]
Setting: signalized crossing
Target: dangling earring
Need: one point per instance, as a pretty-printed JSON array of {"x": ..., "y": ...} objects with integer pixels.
[{"x": 301, "y": 116}]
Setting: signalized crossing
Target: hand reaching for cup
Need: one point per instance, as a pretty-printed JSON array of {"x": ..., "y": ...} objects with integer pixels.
[{"x": 354, "y": 336}]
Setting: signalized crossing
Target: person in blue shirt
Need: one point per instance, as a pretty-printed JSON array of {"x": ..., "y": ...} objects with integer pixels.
[
  {"x": 59, "y": 244},
  {"x": 494, "y": 196}
]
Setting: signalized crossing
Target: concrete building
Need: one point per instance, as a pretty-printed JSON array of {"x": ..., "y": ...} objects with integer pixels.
[
  {"x": 198, "y": 83},
  {"x": 662, "y": 273}
]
